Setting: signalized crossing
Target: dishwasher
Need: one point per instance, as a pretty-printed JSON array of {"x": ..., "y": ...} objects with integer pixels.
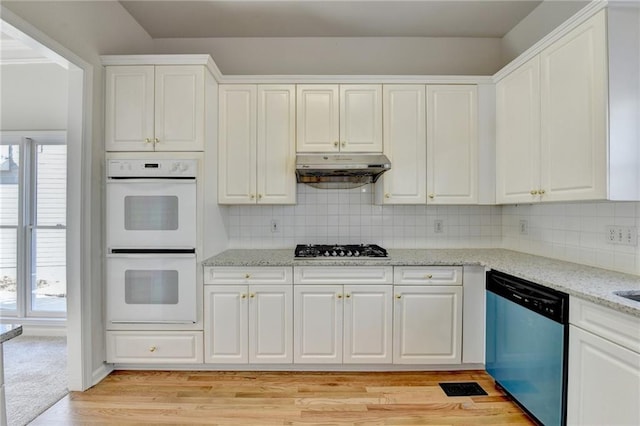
[{"x": 527, "y": 345}]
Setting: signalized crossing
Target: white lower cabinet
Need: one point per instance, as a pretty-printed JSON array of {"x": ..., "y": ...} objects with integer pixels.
[
  {"x": 154, "y": 347},
  {"x": 350, "y": 324},
  {"x": 248, "y": 315},
  {"x": 604, "y": 366},
  {"x": 427, "y": 325}
]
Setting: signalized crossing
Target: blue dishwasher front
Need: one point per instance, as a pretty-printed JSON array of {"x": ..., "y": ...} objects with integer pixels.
[{"x": 526, "y": 345}]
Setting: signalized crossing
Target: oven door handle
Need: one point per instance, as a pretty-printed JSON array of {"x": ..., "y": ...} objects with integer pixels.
[
  {"x": 176, "y": 180},
  {"x": 152, "y": 255}
]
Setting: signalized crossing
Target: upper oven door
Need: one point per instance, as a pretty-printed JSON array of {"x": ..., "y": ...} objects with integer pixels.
[{"x": 151, "y": 213}]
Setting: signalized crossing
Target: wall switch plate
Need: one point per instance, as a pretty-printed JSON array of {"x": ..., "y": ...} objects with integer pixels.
[
  {"x": 438, "y": 226},
  {"x": 624, "y": 235},
  {"x": 524, "y": 227}
]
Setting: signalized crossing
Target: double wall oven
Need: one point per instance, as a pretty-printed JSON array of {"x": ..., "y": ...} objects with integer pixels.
[{"x": 151, "y": 241}]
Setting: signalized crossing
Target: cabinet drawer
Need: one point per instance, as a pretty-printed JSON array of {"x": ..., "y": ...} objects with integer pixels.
[
  {"x": 248, "y": 275},
  {"x": 615, "y": 326},
  {"x": 150, "y": 347},
  {"x": 421, "y": 275},
  {"x": 343, "y": 275}
]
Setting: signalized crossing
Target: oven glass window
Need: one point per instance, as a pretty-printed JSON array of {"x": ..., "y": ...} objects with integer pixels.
[
  {"x": 151, "y": 287},
  {"x": 151, "y": 213}
]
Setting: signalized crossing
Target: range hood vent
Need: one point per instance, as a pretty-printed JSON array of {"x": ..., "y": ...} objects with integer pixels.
[{"x": 340, "y": 171}]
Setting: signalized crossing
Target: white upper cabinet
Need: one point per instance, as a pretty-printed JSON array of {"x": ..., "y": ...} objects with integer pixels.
[
  {"x": 155, "y": 108},
  {"x": 567, "y": 128},
  {"x": 256, "y": 162},
  {"x": 573, "y": 99},
  {"x": 405, "y": 145},
  {"x": 339, "y": 118},
  {"x": 452, "y": 144},
  {"x": 518, "y": 134}
]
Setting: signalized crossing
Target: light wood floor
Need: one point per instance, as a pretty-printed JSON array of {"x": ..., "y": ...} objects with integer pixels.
[{"x": 270, "y": 398}]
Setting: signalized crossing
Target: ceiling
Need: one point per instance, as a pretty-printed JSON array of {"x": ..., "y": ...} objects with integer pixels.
[{"x": 335, "y": 18}]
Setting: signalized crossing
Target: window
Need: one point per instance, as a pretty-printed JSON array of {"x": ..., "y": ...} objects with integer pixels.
[{"x": 33, "y": 186}]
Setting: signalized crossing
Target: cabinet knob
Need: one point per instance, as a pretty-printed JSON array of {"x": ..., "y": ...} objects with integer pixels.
[
  {"x": 339, "y": 296},
  {"x": 336, "y": 143},
  {"x": 252, "y": 295},
  {"x": 156, "y": 140},
  {"x": 348, "y": 296},
  {"x": 344, "y": 143},
  {"x": 431, "y": 196},
  {"x": 541, "y": 192},
  {"x": 252, "y": 196},
  {"x": 429, "y": 276},
  {"x": 247, "y": 276},
  {"x": 398, "y": 296},
  {"x": 387, "y": 195},
  {"x": 153, "y": 349},
  {"x": 147, "y": 140},
  {"x": 534, "y": 192},
  {"x": 259, "y": 196},
  {"x": 243, "y": 296}
]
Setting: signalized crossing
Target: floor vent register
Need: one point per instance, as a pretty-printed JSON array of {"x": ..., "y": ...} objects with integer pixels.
[{"x": 462, "y": 389}]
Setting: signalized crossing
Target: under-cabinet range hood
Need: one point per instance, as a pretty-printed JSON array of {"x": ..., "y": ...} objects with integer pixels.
[{"x": 340, "y": 171}]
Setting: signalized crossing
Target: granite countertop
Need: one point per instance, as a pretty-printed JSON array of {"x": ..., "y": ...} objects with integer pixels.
[
  {"x": 594, "y": 284},
  {"x": 9, "y": 331}
]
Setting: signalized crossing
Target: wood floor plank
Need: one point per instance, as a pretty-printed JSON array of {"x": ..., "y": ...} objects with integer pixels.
[{"x": 283, "y": 398}]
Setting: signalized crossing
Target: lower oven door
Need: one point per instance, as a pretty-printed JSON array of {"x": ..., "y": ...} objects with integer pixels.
[{"x": 151, "y": 288}]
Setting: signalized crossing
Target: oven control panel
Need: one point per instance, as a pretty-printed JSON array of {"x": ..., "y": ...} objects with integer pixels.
[{"x": 136, "y": 168}]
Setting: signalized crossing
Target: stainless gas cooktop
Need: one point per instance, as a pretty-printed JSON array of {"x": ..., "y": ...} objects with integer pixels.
[{"x": 355, "y": 251}]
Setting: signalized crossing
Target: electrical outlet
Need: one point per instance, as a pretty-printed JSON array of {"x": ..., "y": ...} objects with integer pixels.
[
  {"x": 438, "y": 226},
  {"x": 625, "y": 235},
  {"x": 275, "y": 225},
  {"x": 524, "y": 227}
]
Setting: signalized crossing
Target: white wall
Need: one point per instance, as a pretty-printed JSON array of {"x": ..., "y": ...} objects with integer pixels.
[
  {"x": 540, "y": 22},
  {"x": 574, "y": 232},
  {"x": 349, "y": 217},
  {"x": 345, "y": 55},
  {"x": 90, "y": 29},
  {"x": 33, "y": 97}
]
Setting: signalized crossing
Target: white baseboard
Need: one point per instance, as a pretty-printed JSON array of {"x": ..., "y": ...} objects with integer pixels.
[{"x": 100, "y": 373}]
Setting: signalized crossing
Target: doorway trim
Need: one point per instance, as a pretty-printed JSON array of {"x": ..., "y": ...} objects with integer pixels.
[{"x": 80, "y": 262}]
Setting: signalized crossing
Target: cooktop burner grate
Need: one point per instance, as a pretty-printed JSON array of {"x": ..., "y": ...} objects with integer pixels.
[{"x": 338, "y": 250}]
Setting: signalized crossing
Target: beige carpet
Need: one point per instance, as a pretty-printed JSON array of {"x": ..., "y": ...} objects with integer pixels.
[{"x": 35, "y": 376}]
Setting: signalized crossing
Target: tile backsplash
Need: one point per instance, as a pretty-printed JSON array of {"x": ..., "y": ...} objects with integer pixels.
[
  {"x": 573, "y": 232},
  {"x": 349, "y": 216}
]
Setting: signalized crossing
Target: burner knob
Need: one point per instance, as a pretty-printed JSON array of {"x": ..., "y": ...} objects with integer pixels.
[
  {"x": 349, "y": 253},
  {"x": 356, "y": 253},
  {"x": 341, "y": 253},
  {"x": 333, "y": 253},
  {"x": 326, "y": 253}
]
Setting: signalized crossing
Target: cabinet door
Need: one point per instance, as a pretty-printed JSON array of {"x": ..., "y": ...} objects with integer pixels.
[
  {"x": 604, "y": 381},
  {"x": 427, "y": 326},
  {"x": 270, "y": 324},
  {"x": 129, "y": 108},
  {"x": 225, "y": 324},
  {"x": 237, "y": 144},
  {"x": 318, "y": 324},
  {"x": 276, "y": 156},
  {"x": 361, "y": 117},
  {"x": 574, "y": 114},
  {"x": 368, "y": 323},
  {"x": 518, "y": 135},
  {"x": 317, "y": 118},
  {"x": 452, "y": 144},
  {"x": 405, "y": 143},
  {"x": 179, "y": 108}
]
